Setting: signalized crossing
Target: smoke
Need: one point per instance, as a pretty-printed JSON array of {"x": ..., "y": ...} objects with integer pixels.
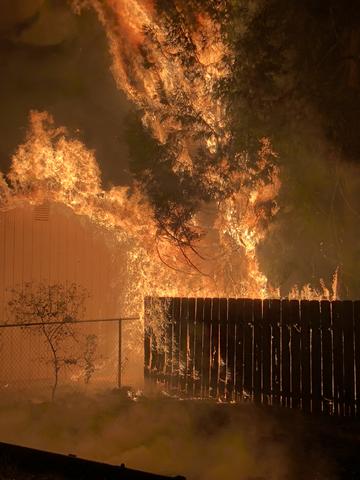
[
  {"x": 54, "y": 60},
  {"x": 316, "y": 229},
  {"x": 197, "y": 439}
]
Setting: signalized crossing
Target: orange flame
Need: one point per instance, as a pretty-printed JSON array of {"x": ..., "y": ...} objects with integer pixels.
[{"x": 172, "y": 77}]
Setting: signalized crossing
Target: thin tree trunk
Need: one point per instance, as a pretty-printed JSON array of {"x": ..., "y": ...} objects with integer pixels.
[
  {"x": 56, "y": 370},
  {"x": 56, "y": 378}
]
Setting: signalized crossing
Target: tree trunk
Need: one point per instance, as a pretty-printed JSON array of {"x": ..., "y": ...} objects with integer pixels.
[{"x": 56, "y": 372}]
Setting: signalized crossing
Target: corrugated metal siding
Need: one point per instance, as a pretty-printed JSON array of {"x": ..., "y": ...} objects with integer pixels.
[{"x": 51, "y": 244}]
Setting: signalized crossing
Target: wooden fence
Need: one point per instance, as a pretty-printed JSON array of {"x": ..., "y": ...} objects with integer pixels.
[{"x": 298, "y": 354}]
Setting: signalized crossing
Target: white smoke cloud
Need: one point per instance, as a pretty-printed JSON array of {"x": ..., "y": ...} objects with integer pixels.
[{"x": 197, "y": 439}]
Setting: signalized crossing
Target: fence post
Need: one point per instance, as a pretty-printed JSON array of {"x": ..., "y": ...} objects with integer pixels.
[{"x": 119, "y": 352}]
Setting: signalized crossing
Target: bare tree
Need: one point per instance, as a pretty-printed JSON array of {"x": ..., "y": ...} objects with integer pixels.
[{"x": 51, "y": 311}]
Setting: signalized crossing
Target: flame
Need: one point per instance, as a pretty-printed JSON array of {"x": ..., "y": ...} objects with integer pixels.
[
  {"x": 170, "y": 69},
  {"x": 307, "y": 292},
  {"x": 51, "y": 166},
  {"x": 169, "y": 72},
  {"x": 171, "y": 75}
]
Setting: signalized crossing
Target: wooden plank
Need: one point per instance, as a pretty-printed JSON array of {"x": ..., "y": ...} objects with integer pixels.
[
  {"x": 266, "y": 354},
  {"x": 175, "y": 343},
  {"x": 248, "y": 348},
  {"x": 154, "y": 347},
  {"x": 285, "y": 354},
  {"x": 156, "y": 338},
  {"x": 276, "y": 350},
  {"x": 305, "y": 314},
  {"x": 147, "y": 339},
  {"x": 223, "y": 319},
  {"x": 206, "y": 348},
  {"x": 257, "y": 370},
  {"x": 183, "y": 343},
  {"x": 338, "y": 357},
  {"x": 357, "y": 355},
  {"x": 199, "y": 347},
  {"x": 295, "y": 353},
  {"x": 163, "y": 306},
  {"x": 349, "y": 358},
  {"x": 327, "y": 357},
  {"x": 191, "y": 348},
  {"x": 199, "y": 322},
  {"x": 154, "y": 365},
  {"x": 315, "y": 347},
  {"x": 239, "y": 349},
  {"x": 198, "y": 340},
  {"x": 231, "y": 349},
  {"x": 215, "y": 350},
  {"x": 169, "y": 336},
  {"x": 154, "y": 374}
]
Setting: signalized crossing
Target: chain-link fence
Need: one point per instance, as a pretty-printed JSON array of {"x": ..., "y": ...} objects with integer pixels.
[{"x": 88, "y": 354}]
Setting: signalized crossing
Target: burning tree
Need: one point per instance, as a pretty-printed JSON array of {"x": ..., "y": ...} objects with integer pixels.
[
  {"x": 51, "y": 311},
  {"x": 207, "y": 147}
]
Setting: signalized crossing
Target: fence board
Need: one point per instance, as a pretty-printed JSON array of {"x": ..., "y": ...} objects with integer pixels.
[
  {"x": 257, "y": 349},
  {"x": 230, "y": 383},
  {"x": 183, "y": 343},
  {"x": 176, "y": 344},
  {"x": 169, "y": 333},
  {"x": 327, "y": 358},
  {"x": 357, "y": 356},
  {"x": 298, "y": 354},
  {"x": 295, "y": 353},
  {"x": 160, "y": 365},
  {"x": 266, "y": 353},
  {"x": 206, "y": 359},
  {"x": 285, "y": 353},
  {"x": 223, "y": 346},
  {"x": 248, "y": 348},
  {"x": 275, "y": 350},
  {"x": 201, "y": 361},
  {"x": 154, "y": 355},
  {"x": 239, "y": 351},
  {"x": 147, "y": 340},
  {"x": 191, "y": 347},
  {"x": 305, "y": 313},
  {"x": 315, "y": 347},
  {"x": 348, "y": 331},
  {"x": 337, "y": 316},
  {"x": 215, "y": 351}
]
